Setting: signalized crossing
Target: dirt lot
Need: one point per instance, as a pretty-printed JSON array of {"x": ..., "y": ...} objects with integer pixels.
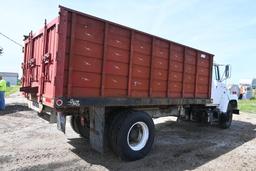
[{"x": 28, "y": 142}]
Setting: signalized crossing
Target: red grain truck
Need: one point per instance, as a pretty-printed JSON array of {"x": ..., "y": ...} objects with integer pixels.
[{"x": 112, "y": 80}]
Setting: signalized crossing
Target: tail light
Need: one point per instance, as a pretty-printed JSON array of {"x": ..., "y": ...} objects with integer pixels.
[
  {"x": 234, "y": 92},
  {"x": 59, "y": 102}
]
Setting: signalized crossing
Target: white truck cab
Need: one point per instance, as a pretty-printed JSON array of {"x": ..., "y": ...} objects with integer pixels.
[
  {"x": 222, "y": 98},
  {"x": 221, "y": 95},
  {"x": 223, "y": 103}
]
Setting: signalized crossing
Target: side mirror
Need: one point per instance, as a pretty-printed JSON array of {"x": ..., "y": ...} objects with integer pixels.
[
  {"x": 227, "y": 71},
  {"x": 217, "y": 72}
]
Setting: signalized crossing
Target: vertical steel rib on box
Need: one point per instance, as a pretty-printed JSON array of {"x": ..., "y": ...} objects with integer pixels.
[
  {"x": 183, "y": 73},
  {"x": 169, "y": 70},
  {"x": 150, "y": 87},
  {"x": 71, "y": 53},
  {"x": 42, "y": 78},
  {"x": 61, "y": 54},
  {"x": 130, "y": 64},
  {"x": 104, "y": 56},
  {"x": 210, "y": 76},
  {"x": 196, "y": 75},
  {"x": 30, "y": 54}
]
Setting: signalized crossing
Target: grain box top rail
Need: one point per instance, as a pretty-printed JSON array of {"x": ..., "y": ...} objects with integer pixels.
[{"x": 103, "y": 20}]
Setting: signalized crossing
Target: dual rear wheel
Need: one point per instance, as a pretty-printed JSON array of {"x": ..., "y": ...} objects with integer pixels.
[
  {"x": 80, "y": 125},
  {"x": 131, "y": 134}
]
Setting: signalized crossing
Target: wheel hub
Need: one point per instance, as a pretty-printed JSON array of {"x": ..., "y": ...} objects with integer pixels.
[{"x": 137, "y": 136}]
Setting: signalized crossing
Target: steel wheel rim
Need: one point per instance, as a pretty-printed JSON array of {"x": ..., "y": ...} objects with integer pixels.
[{"x": 137, "y": 136}]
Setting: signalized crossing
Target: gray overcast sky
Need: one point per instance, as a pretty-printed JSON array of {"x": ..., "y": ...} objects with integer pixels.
[{"x": 224, "y": 28}]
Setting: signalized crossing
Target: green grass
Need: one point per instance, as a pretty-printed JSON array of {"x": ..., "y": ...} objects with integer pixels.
[
  {"x": 247, "y": 105},
  {"x": 12, "y": 89}
]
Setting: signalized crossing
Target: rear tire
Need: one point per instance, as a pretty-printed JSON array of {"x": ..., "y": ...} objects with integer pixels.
[
  {"x": 114, "y": 127},
  {"x": 83, "y": 127},
  {"x": 225, "y": 120},
  {"x": 80, "y": 125},
  {"x": 73, "y": 123},
  {"x": 132, "y": 135}
]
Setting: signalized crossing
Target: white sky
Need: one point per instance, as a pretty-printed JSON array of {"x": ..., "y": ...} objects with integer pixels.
[{"x": 224, "y": 28}]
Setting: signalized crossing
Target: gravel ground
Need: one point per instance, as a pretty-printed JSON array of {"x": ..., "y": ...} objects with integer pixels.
[{"x": 28, "y": 142}]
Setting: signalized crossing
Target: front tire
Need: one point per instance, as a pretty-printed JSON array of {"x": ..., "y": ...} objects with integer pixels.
[
  {"x": 225, "y": 120},
  {"x": 132, "y": 136}
]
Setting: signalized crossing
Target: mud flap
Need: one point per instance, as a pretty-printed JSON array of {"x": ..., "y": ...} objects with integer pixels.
[
  {"x": 38, "y": 107},
  {"x": 97, "y": 128},
  {"x": 61, "y": 122},
  {"x": 236, "y": 111}
]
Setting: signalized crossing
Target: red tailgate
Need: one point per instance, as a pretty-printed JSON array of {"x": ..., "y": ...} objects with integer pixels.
[{"x": 39, "y": 66}]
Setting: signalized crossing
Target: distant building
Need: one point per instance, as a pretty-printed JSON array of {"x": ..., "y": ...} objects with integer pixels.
[
  {"x": 10, "y": 77},
  {"x": 254, "y": 83},
  {"x": 248, "y": 84}
]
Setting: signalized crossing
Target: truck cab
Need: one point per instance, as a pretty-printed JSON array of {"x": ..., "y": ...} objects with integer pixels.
[
  {"x": 222, "y": 98},
  {"x": 220, "y": 95}
]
